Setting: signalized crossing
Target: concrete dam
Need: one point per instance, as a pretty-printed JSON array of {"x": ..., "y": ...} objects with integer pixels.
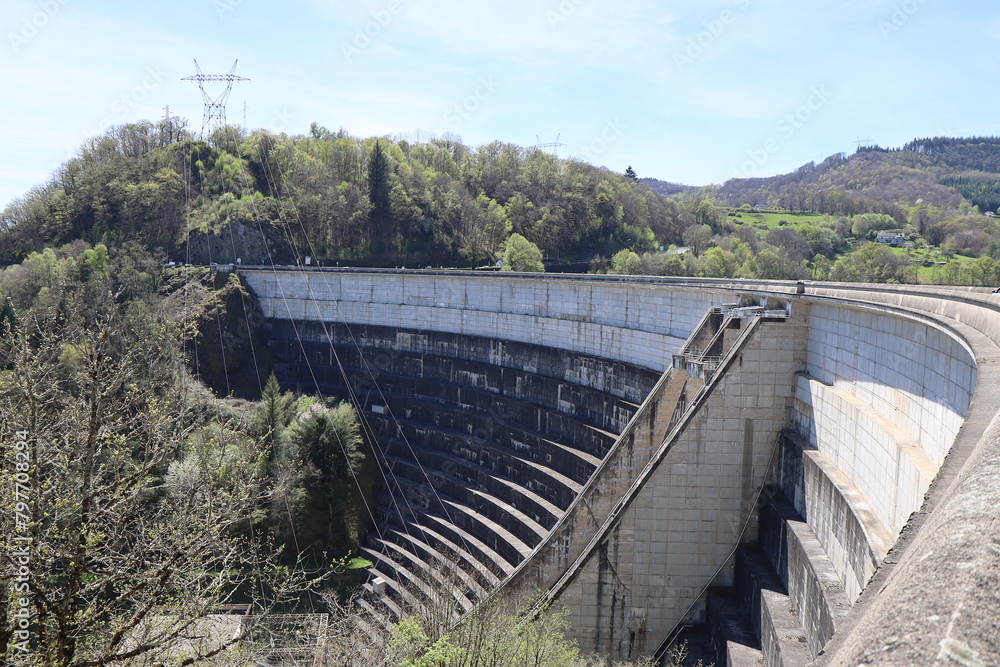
[{"x": 810, "y": 473}]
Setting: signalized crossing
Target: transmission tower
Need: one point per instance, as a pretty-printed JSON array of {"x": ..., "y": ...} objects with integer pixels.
[
  {"x": 864, "y": 143},
  {"x": 215, "y": 110},
  {"x": 552, "y": 144}
]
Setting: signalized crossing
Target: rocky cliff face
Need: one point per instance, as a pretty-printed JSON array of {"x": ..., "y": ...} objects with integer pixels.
[{"x": 251, "y": 243}]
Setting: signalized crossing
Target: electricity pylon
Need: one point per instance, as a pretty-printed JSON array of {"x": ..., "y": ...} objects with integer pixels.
[
  {"x": 215, "y": 110},
  {"x": 552, "y": 144}
]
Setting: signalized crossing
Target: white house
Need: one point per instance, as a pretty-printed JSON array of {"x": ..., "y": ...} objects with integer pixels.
[{"x": 892, "y": 238}]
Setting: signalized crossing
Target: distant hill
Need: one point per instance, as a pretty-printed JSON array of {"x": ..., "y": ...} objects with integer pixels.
[
  {"x": 666, "y": 188},
  {"x": 943, "y": 173}
]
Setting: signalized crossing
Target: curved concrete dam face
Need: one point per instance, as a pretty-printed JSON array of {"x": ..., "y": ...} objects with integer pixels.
[{"x": 809, "y": 472}]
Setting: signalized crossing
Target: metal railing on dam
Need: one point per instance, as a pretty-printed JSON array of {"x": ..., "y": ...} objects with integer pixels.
[{"x": 539, "y": 432}]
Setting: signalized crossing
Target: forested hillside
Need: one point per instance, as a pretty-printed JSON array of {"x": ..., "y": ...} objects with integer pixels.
[
  {"x": 925, "y": 178},
  {"x": 262, "y": 197},
  {"x": 898, "y": 183},
  {"x": 335, "y": 197}
]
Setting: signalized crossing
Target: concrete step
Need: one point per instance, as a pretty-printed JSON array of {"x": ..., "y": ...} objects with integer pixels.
[
  {"x": 733, "y": 640},
  {"x": 513, "y": 421},
  {"x": 440, "y": 576},
  {"x": 813, "y": 585},
  {"x": 517, "y": 522},
  {"x": 491, "y": 559},
  {"x": 436, "y": 546},
  {"x": 372, "y": 621},
  {"x": 497, "y": 535},
  {"x": 390, "y": 568},
  {"x": 473, "y": 474},
  {"x": 473, "y": 522},
  {"x": 551, "y": 484},
  {"x": 571, "y": 462},
  {"x": 399, "y": 596},
  {"x": 382, "y": 605},
  {"x": 770, "y": 611},
  {"x": 614, "y": 413},
  {"x": 434, "y": 528},
  {"x": 531, "y": 498}
]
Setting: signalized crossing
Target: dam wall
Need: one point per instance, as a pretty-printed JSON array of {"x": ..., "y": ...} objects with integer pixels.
[
  {"x": 638, "y": 325},
  {"x": 651, "y": 452}
]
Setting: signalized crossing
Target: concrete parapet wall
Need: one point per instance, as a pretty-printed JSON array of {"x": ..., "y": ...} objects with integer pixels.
[{"x": 911, "y": 373}]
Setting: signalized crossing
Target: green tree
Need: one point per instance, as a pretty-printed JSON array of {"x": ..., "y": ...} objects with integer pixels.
[
  {"x": 316, "y": 481},
  {"x": 381, "y": 232},
  {"x": 871, "y": 263},
  {"x": 984, "y": 271},
  {"x": 94, "y": 412},
  {"x": 271, "y": 419},
  {"x": 769, "y": 264},
  {"x": 719, "y": 263},
  {"x": 520, "y": 254},
  {"x": 630, "y": 173},
  {"x": 484, "y": 236},
  {"x": 698, "y": 238},
  {"x": 96, "y": 260},
  {"x": 706, "y": 214},
  {"x": 821, "y": 267},
  {"x": 625, "y": 262}
]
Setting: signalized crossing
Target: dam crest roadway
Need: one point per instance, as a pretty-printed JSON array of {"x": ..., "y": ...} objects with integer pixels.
[{"x": 809, "y": 472}]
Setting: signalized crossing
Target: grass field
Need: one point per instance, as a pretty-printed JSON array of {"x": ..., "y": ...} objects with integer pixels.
[{"x": 765, "y": 221}]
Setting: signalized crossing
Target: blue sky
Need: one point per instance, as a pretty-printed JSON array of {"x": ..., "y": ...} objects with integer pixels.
[{"x": 695, "y": 92}]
